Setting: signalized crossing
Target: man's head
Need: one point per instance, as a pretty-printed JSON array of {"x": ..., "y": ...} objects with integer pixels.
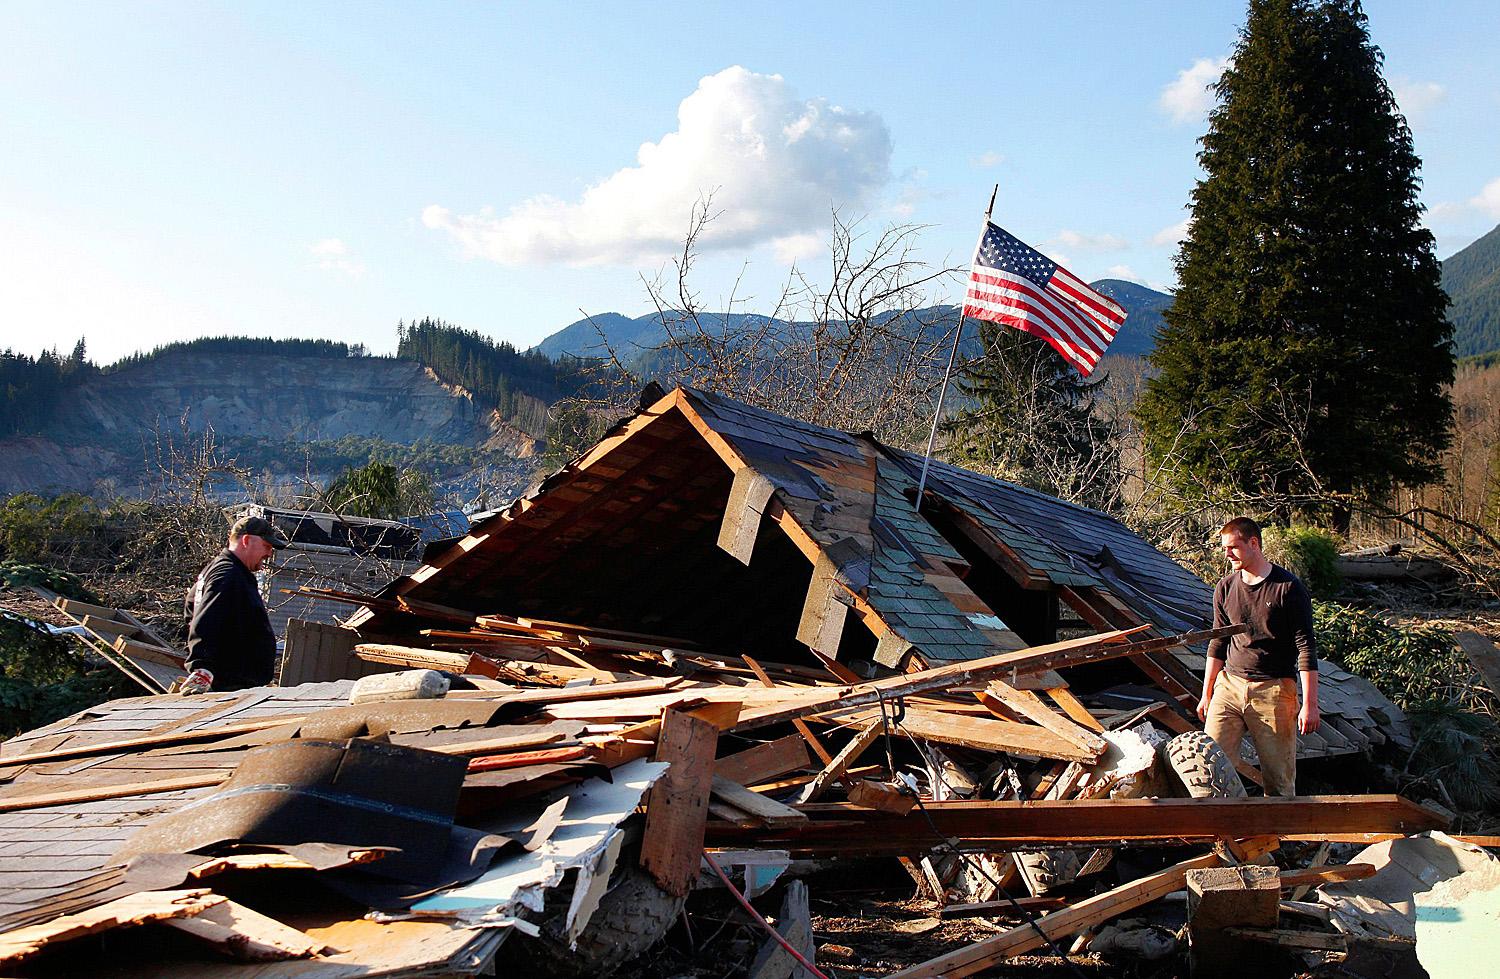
[
  {"x": 252, "y": 539},
  {"x": 1240, "y": 539}
]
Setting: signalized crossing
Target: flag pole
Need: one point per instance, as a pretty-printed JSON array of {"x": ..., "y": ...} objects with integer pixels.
[{"x": 937, "y": 414}]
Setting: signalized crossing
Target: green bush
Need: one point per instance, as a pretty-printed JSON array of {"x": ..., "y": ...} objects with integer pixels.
[
  {"x": 1307, "y": 552},
  {"x": 1457, "y": 751},
  {"x": 1415, "y": 666},
  {"x": 14, "y": 574},
  {"x": 44, "y": 678},
  {"x": 34, "y": 528}
]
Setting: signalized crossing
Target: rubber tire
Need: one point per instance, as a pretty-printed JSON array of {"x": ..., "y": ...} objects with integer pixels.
[
  {"x": 634, "y": 914},
  {"x": 1202, "y": 767},
  {"x": 1046, "y": 870}
]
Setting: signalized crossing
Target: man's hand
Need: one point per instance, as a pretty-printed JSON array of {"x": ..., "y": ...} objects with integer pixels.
[
  {"x": 1308, "y": 718},
  {"x": 1203, "y": 708}
]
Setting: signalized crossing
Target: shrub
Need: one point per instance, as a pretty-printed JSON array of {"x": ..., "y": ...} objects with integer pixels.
[
  {"x": 34, "y": 528},
  {"x": 1414, "y": 666},
  {"x": 1307, "y": 552},
  {"x": 44, "y": 678},
  {"x": 1457, "y": 751}
]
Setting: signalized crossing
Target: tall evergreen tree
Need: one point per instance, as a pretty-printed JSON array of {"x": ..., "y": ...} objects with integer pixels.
[
  {"x": 1030, "y": 419},
  {"x": 1306, "y": 351}
]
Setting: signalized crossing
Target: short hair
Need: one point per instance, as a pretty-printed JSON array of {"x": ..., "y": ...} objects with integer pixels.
[{"x": 1242, "y": 527}]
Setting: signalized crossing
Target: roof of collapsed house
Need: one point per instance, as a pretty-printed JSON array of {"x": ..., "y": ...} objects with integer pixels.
[
  {"x": 656, "y": 525},
  {"x": 712, "y": 616}
]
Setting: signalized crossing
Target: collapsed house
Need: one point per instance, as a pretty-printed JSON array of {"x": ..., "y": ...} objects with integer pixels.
[{"x": 713, "y": 614}]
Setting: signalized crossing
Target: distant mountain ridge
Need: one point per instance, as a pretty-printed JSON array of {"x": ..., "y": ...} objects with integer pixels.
[
  {"x": 635, "y": 339},
  {"x": 1471, "y": 278}
]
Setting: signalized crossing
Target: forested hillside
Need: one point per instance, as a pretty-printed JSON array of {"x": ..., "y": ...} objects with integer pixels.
[
  {"x": 520, "y": 385},
  {"x": 1471, "y": 278}
]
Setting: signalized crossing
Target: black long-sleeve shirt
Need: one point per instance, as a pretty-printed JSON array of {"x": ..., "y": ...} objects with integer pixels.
[
  {"x": 1278, "y": 608},
  {"x": 229, "y": 632}
]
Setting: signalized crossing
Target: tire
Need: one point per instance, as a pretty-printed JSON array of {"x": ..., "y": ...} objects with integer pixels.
[
  {"x": 1046, "y": 870},
  {"x": 633, "y": 915},
  {"x": 1202, "y": 767}
]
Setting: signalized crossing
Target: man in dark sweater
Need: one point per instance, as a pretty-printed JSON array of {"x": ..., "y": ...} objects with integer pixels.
[
  {"x": 229, "y": 632},
  {"x": 1249, "y": 683}
]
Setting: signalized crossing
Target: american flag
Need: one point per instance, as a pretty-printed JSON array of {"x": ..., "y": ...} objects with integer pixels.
[{"x": 1015, "y": 284}]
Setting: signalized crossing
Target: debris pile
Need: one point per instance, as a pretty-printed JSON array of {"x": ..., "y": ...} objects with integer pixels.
[{"x": 720, "y": 650}]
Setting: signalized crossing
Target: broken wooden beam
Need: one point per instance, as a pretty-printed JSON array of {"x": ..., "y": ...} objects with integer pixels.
[
  {"x": 836, "y": 768},
  {"x": 988, "y": 734},
  {"x": 991, "y": 826},
  {"x": 764, "y": 761},
  {"x": 677, "y": 806},
  {"x": 756, "y": 808},
  {"x": 1036, "y": 659}
]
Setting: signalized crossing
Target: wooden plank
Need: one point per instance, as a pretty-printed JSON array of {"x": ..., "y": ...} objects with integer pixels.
[
  {"x": 839, "y": 764},
  {"x": 136, "y": 909},
  {"x": 78, "y": 610},
  {"x": 42, "y": 800},
  {"x": 748, "y": 495},
  {"x": 108, "y": 629},
  {"x": 150, "y": 741},
  {"x": 766, "y": 812},
  {"x": 1316, "y": 876},
  {"x": 1056, "y": 655},
  {"x": 1074, "y": 708},
  {"x": 1079, "y": 917},
  {"x": 1030, "y": 706},
  {"x": 677, "y": 806},
  {"x": 1485, "y": 657},
  {"x": 247, "y": 935},
  {"x": 412, "y": 656},
  {"x": 763, "y": 761},
  {"x": 985, "y": 734},
  {"x": 989, "y": 825},
  {"x": 151, "y": 654}
]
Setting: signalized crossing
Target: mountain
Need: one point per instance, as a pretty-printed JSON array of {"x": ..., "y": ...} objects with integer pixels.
[
  {"x": 1145, "y": 306},
  {"x": 286, "y": 417},
  {"x": 635, "y": 339},
  {"x": 1471, "y": 278}
]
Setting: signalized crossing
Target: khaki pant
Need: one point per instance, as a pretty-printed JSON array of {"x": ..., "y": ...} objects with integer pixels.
[{"x": 1268, "y": 710}]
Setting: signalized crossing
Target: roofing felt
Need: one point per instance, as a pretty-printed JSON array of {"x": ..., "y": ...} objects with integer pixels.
[{"x": 1076, "y": 545}]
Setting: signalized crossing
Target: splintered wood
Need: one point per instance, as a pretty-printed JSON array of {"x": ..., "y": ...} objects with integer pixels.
[{"x": 791, "y": 760}]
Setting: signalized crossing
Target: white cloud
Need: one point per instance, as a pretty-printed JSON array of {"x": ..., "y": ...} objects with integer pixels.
[
  {"x": 989, "y": 159},
  {"x": 798, "y": 248},
  {"x": 332, "y": 255},
  {"x": 1172, "y": 234},
  {"x": 1488, "y": 199},
  {"x": 1416, "y": 99},
  {"x": 1189, "y": 97},
  {"x": 1122, "y": 272},
  {"x": 1078, "y": 241},
  {"x": 774, "y": 163}
]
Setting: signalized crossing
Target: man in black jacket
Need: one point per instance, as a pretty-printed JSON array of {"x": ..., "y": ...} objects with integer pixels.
[{"x": 229, "y": 632}]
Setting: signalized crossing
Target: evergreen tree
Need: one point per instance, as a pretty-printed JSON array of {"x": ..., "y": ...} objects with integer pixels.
[
  {"x": 1306, "y": 351},
  {"x": 1031, "y": 420}
]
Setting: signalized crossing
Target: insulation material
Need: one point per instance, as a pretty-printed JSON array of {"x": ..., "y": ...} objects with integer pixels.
[
  {"x": 589, "y": 825},
  {"x": 1431, "y": 888}
]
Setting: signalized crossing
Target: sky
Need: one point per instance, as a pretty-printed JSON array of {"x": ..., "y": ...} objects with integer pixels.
[{"x": 170, "y": 170}]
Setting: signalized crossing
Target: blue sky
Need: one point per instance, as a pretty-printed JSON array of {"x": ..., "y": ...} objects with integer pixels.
[{"x": 171, "y": 170}]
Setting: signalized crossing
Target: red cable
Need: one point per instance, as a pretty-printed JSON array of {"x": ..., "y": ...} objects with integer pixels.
[{"x": 762, "y": 921}]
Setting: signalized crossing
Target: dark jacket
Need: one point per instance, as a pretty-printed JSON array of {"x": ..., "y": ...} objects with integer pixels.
[{"x": 229, "y": 632}]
